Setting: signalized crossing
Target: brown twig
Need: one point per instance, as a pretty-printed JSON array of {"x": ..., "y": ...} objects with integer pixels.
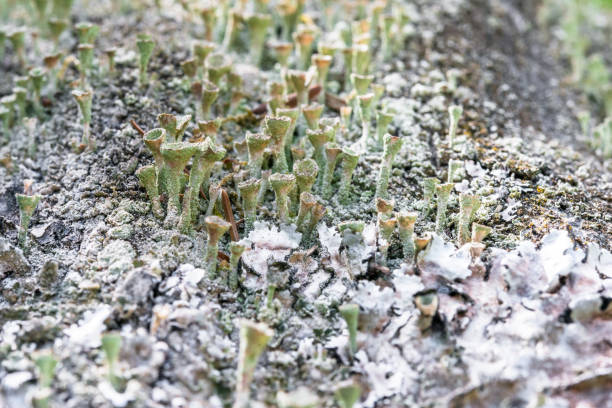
[
  {"x": 222, "y": 255},
  {"x": 138, "y": 128},
  {"x": 229, "y": 216}
]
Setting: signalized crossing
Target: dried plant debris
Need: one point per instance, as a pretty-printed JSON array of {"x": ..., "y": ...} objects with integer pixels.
[{"x": 289, "y": 203}]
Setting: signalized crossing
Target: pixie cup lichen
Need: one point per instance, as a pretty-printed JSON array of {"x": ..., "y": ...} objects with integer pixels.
[
  {"x": 145, "y": 46},
  {"x": 468, "y": 205},
  {"x": 347, "y": 393},
  {"x": 383, "y": 120},
  {"x": 236, "y": 251},
  {"x": 175, "y": 156},
  {"x": 249, "y": 192},
  {"x": 258, "y": 27},
  {"x": 332, "y": 155},
  {"x": 312, "y": 114},
  {"x": 454, "y": 113},
  {"x": 210, "y": 93},
  {"x": 256, "y": 145},
  {"x": 147, "y": 175},
  {"x": 307, "y": 202},
  {"x": 84, "y": 100},
  {"x": 277, "y": 127},
  {"x": 350, "y": 314},
  {"x": 216, "y": 227},
  {"x": 349, "y": 160},
  {"x": 253, "y": 340},
  {"x": 282, "y": 184},
  {"x": 204, "y": 159},
  {"x": 27, "y": 204},
  {"x": 305, "y": 171},
  {"x": 111, "y": 345},
  {"x": 443, "y": 193},
  {"x": 392, "y": 145},
  {"x": 406, "y": 221}
]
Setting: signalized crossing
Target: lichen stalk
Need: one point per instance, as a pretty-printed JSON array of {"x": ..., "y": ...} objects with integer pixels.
[
  {"x": 176, "y": 156},
  {"x": 253, "y": 340},
  {"x": 256, "y": 145},
  {"x": 236, "y": 251},
  {"x": 27, "y": 204},
  {"x": 307, "y": 202},
  {"x": 147, "y": 175},
  {"x": 349, "y": 160},
  {"x": 468, "y": 205},
  {"x": 332, "y": 155},
  {"x": 392, "y": 145},
  {"x": 282, "y": 184},
  {"x": 249, "y": 191},
  {"x": 443, "y": 193},
  {"x": 207, "y": 154},
  {"x": 406, "y": 221},
  {"x": 215, "y": 228},
  {"x": 350, "y": 314}
]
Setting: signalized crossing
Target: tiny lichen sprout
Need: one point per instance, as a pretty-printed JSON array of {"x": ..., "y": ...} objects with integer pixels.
[
  {"x": 318, "y": 138},
  {"x": 317, "y": 213},
  {"x": 145, "y": 46},
  {"x": 480, "y": 232},
  {"x": 454, "y": 113},
  {"x": 147, "y": 175},
  {"x": 258, "y": 27},
  {"x": 85, "y": 63},
  {"x": 86, "y": 32},
  {"x": 429, "y": 190},
  {"x": 210, "y": 92},
  {"x": 111, "y": 345},
  {"x": 175, "y": 156},
  {"x": 277, "y": 127},
  {"x": 443, "y": 193},
  {"x": 300, "y": 81},
  {"x": 427, "y": 303},
  {"x": 217, "y": 65},
  {"x": 322, "y": 63},
  {"x": 249, "y": 192},
  {"x": 468, "y": 205},
  {"x": 365, "y": 113},
  {"x": 256, "y": 145},
  {"x": 254, "y": 338},
  {"x": 282, "y": 184},
  {"x": 349, "y": 160},
  {"x": 27, "y": 204},
  {"x": 175, "y": 126},
  {"x": 307, "y": 202},
  {"x": 347, "y": 393},
  {"x": 46, "y": 364},
  {"x": 84, "y": 100},
  {"x": 406, "y": 221},
  {"x": 304, "y": 38},
  {"x": 383, "y": 120},
  {"x": 312, "y": 114},
  {"x": 215, "y": 227},
  {"x": 350, "y": 314},
  {"x": 236, "y": 251},
  {"x": 305, "y": 171},
  {"x": 332, "y": 154},
  {"x": 392, "y": 145},
  {"x": 204, "y": 159}
]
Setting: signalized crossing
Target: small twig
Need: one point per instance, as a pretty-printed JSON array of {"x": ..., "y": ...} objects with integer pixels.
[
  {"x": 138, "y": 128},
  {"x": 223, "y": 256},
  {"x": 227, "y": 209}
]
